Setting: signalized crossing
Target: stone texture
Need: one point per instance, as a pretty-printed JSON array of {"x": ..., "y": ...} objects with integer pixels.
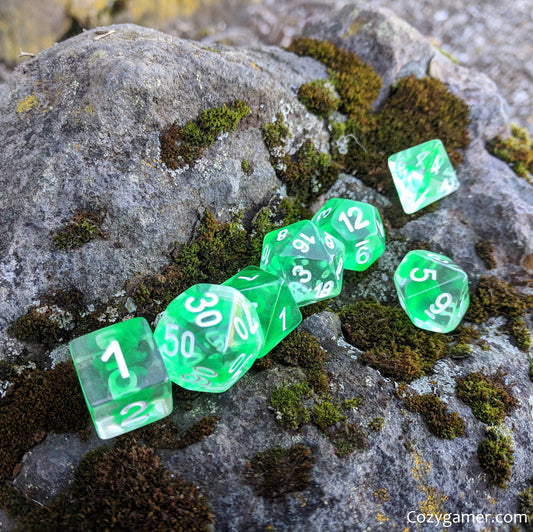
[
  {"x": 92, "y": 140},
  {"x": 86, "y": 136}
]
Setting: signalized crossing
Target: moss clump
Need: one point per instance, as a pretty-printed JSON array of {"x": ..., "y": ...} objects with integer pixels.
[
  {"x": 81, "y": 228},
  {"x": 417, "y": 110},
  {"x": 319, "y": 97},
  {"x": 181, "y": 146},
  {"x": 356, "y": 83},
  {"x": 485, "y": 250},
  {"x": 308, "y": 173},
  {"x": 287, "y": 401},
  {"x": 516, "y": 151},
  {"x": 494, "y": 297},
  {"x": 38, "y": 402},
  {"x": 390, "y": 342},
  {"x": 276, "y": 472},
  {"x": 348, "y": 438},
  {"x": 487, "y": 395},
  {"x": 525, "y": 504},
  {"x": 440, "y": 420},
  {"x": 495, "y": 453},
  {"x": 13, "y": 502},
  {"x": 530, "y": 373},
  {"x": 247, "y": 167},
  {"x": 376, "y": 424},
  {"x": 59, "y": 317},
  {"x": 165, "y": 434},
  {"x": 301, "y": 349},
  {"x": 519, "y": 331},
  {"x": 326, "y": 414},
  {"x": 125, "y": 488},
  {"x": 460, "y": 351},
  {"x": 216, "y": 252}
]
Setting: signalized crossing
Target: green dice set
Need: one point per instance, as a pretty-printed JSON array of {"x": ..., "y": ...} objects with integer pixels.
[{"x": 210, "y": 335}]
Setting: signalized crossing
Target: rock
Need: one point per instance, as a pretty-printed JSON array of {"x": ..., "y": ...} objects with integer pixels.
[
  {"x": 48, "y": 469},
  {"x": 91, "y": 111},
  {"x": 82, "y": 122}
]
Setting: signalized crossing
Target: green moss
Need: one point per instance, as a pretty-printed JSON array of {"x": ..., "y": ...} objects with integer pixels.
[
  {"x": 81, "y": 228},
  {"x": 525, "y": 504},
  {"x": 125, "y": 488},
  {"x": 487, "y": 395},
  {"x": 274, "y": 473},
  {"x": 275, "y": 134},
  {"x": 516, "y": 151},
  {"x": 353, "y": 402},
  {"x": 59, "y": 317},
  {"x": 485, "y": 250},
  {"x": 530, "y": 373},
  {"x": 181, "y": 146},
  {"x": 348, "y": 438},
  {"x": 356, "y": 83},
  {"x": 460, "y": 351},
  {"x": 440, "y": 420},
  {"x": 495, "y": 453},
  {"x": 301, "y": 349},
  {"x": 247, "y": 167},
  {"x": 38, "y": 402},
  {"x": 287, "y": 401},
  {"x": 376, "y": 424},
  {"x": 494, "y": 297},
  {"x": 326, "y": 414},
  {"x": 417, "y": 110},
  {"x": 319, "y": 97},
  {"x": 166, "y": 435},
  {"x": 13, "y": 502},
  {"x": 308, "y": 173},
  {"x": 390, "y": 342},
  {"x": 217, "y": 251},
  {"x": 519, "y": 331}
]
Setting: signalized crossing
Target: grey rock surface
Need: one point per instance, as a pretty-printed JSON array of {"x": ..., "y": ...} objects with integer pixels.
[{"x": 92, "y": 140}]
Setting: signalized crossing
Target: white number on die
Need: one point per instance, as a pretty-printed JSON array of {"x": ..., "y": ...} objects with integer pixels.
[
  {"x": 114, "y": 349},
  {"x": 427, "y": 274},
  {"x": 199, "y": 375},
  {"x": 134, "y": 417},
  {"x": 186, "y": 343},
  {"x": 206, "y": 318},
  {"x": 323, "y": 290},
  {"x": 442, "y": 302},
  {"x": 362, "y": 254},
  {"x": 359, "y": 222},
  {"x": 305, "y": 275},
  {"x": 302, "y": 246}
]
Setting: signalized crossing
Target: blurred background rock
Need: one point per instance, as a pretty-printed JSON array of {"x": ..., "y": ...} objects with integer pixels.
[{"x": 493, "y": 36}]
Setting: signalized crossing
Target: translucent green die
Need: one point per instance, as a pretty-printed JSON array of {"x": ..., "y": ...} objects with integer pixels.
[
  {"x": 209, "y": 337},
  {"x": 358, "y": 226},
  {"x": 308, "y": 259},
  {"x": 422, "y": 174},
  {"x": 278, "y": 312},
  {"x": 123, "y": 378},
  {"x": 432, "y": 290}
]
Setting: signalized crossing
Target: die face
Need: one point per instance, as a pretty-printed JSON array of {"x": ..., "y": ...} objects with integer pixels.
[
  {"x": 209, "y": 337},
  {"x": 358, "y": 226},
  {"x": 123, "y": 378},
  {"x": 309, "y": 260},
  {"x": 432, "y": 290},
  {"x": 269, "y": 294},
  {"x": 422, "y": 174}
]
